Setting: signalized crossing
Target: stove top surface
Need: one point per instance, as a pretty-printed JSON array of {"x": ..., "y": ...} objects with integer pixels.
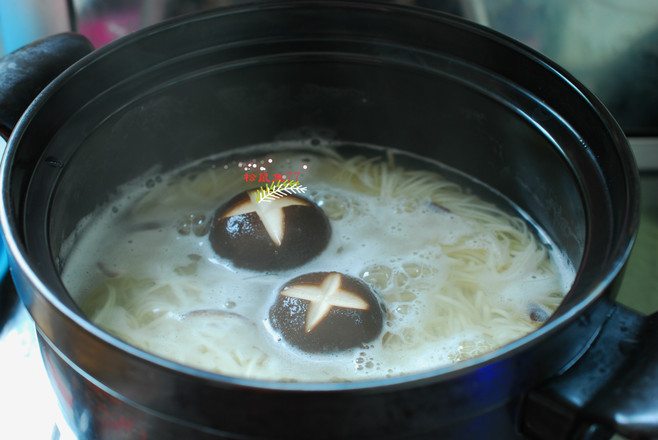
[{"x": 28, "y": 406}]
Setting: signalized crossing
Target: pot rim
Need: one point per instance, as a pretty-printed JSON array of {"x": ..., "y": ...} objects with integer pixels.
[{"x": 621, "y": 249}]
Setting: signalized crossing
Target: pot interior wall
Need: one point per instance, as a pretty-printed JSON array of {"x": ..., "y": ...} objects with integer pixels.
[{"x": 430, "y": 114}]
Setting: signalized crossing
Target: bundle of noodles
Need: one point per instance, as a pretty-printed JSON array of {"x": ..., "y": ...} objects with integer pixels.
[
  {"x": 469, "y": 286},
  {"x": 460, "y": 276}
]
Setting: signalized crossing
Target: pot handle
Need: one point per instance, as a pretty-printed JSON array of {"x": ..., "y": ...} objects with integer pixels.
[
  {"x": 28, "y": 70},
  {"x": 612, "y": 388}
]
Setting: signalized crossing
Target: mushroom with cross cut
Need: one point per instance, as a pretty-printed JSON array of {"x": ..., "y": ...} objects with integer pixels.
[
  {"x": 280, "y": 234},
  {"x": 324, "y": 312}
]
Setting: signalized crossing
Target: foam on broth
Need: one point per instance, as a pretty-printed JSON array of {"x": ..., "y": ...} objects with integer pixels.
[{"x": 458, "y": 276}]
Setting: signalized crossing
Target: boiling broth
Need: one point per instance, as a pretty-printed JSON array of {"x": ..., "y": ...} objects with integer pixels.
[{"x": 458, "y": 273}]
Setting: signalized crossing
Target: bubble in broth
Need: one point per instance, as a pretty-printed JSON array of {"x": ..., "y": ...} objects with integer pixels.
[{"x": 458, "y": 275}]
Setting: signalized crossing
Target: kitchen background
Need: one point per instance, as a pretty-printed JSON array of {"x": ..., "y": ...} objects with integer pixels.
[{"x": 609, "y": 45}]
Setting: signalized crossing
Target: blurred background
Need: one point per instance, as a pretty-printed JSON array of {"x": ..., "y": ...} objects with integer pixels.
[{"x": 610, "y": 45}]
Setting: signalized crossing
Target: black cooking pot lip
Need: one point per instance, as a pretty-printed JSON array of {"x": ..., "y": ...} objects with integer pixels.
[{"x": 622, "y": 251}]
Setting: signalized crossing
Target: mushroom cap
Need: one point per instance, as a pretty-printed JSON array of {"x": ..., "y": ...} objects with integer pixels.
[
  {"x": 280, "y": 234},
  {"x": 324, "y": 312}
]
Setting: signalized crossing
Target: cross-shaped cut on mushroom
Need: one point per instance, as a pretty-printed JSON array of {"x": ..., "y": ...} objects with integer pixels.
[
  {"x": 323, "y": 312},
  {"x": 284, "y": 233},
  {"x": 322, "y": 297},
  {"x": 271, "y": 214}
]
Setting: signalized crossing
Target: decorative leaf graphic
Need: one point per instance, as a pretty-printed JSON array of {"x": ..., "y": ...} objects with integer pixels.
[{"x": 278, "y": 189}]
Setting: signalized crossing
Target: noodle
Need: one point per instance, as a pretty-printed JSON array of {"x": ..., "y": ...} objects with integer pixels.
[{"x": 458, "y": 276}]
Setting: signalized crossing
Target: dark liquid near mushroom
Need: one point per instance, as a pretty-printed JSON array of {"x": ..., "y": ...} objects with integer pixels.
[{"x": 454, "y": 269}]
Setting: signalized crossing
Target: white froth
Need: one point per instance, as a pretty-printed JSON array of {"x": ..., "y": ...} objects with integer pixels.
[{"x": 171, "y": 295}]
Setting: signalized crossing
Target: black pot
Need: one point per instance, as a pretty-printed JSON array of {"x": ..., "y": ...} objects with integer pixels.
[{"x": 427, "y": 83}]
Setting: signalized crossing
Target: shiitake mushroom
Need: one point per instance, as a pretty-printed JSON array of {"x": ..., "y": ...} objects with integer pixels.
[
  {"x": 324, "y": 312},
  {"x": 269, "y": 235}
]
